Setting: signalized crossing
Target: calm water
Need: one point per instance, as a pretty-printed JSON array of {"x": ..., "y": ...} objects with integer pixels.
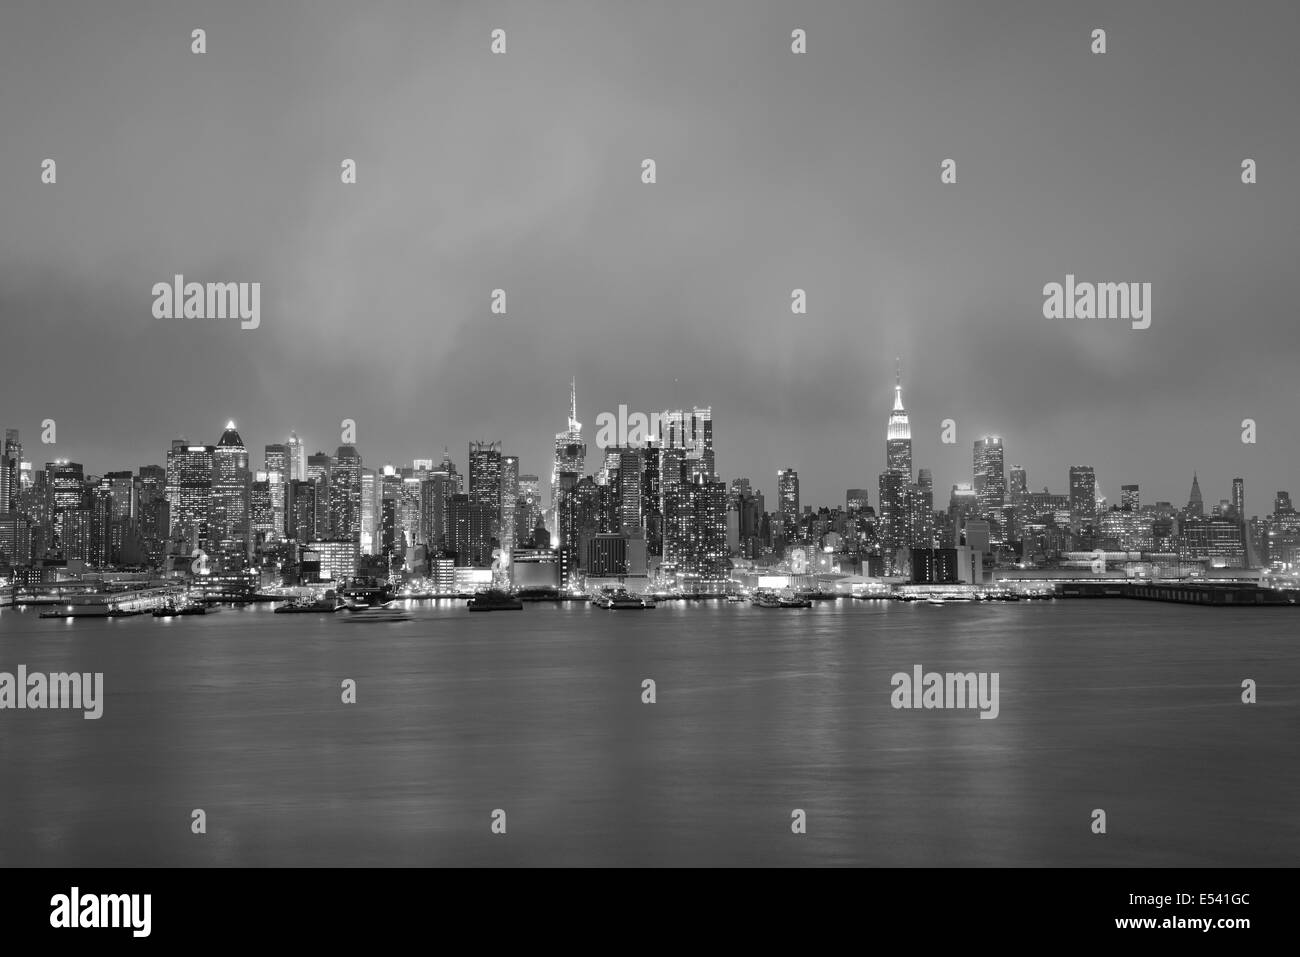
[{"x": 1127, "y": 706}]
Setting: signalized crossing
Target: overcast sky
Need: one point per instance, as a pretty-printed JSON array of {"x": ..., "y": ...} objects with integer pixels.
[{"x": 775, "y": 171}]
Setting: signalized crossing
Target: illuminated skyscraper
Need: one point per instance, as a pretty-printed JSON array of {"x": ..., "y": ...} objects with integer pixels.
[
  {"x": 1083, "y": 493},
  {"x": 570, "y": 450},
  {"x": 189, "y": 492},
  {"x": 898, "y": 441},
  {"x": 485, "y": 468},
  {"x": 230, "y": 515},
  {"x": 990, "y": 476},
  {"x": 509, "y": 497},
  {"x": 11, "y": 463},
  {"x": 345, "y": 494},
  {"x": 787, "y": 493},
  {"x": 1130, "y": 498},
  {"x": 297, "y": 458}
]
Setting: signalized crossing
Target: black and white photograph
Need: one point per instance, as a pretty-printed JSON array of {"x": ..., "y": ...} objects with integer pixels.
[{"x": 507, "y": 435}]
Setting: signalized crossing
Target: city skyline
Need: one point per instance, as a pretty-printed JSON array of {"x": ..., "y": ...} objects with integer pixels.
[
  {"x": 916, "y": 462},
  {"x": 376, "y": 300}
]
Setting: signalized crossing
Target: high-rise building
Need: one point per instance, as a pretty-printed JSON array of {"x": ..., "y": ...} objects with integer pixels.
[
  {"x": 1019, "y": 482},
  {"x": 345, "y": 494},
  {"x": 630, "y": 462},
  {"x": 570, "y": 450},
  {"x": 990, "y": 476},
  {"x": 1083, "y": 493},
  {"x": 10, "y": 464},
  {"x": 855, "y": 502},
  {"x": 1239, "y": 497},
  {"x": 1130, "y": 498},
  {"x": 692, "y": 433},
  {"x": 469, "y": 531},
  {"x": 1195, "y": 503},
  {"x": 369, "y": 511},
  {"x": 229, "y": 517},
  {"x": 898, "y": 441},
  {"x": 485, "y": 469},
  {"x": 509, "y": 496},
  {"x": 787, "y": 493},
  {"x": 296, "y": 454}
]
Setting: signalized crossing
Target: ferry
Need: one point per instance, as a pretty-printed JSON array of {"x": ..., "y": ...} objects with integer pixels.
[
  {"x": 621, "y": 599},
  {"x": 378, "y": 613},
  {"x": 494, "y": 599},
  {"x": 366, "y": 592},
  {"x": 178, "y": 609}
]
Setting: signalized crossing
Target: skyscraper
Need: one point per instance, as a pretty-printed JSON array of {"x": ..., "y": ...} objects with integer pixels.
[
  {"x": 1239, "y": 497},
  {"x": 1083, "y": 493},
  {"x": 11, "y": 463},
  {"x": 345, "y": 494},
  {"x": 230, "y": 515},
  {"x": 990, "y": 476},
  {"x": 296, "y": 455},
  {"x": 508, "y": 496},
  {"x": 787, "y": 492},
  {"x": 189, "y": 492},
  {"x": 898, "y": 442},
  {"x": 570, "y": 450},
  {"x": 1130, "y": 498},
  {"x": 629, "y": 488},
  {"x": 1195, "y": 504},
  {"x": 485, "y": 469}
]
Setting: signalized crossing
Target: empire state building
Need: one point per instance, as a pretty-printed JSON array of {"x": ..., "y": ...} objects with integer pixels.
[{"x": 898, "y": 443}]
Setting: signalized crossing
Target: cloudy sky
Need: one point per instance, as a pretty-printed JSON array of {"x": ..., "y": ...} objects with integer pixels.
[{"x": 775, "y": 171}]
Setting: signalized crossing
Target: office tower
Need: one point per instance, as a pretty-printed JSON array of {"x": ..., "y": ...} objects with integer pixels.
[
  {"x": 15, "y": 539},
  {"x": 318, "y": 471},
  {"x": 990, "y": 476},
  {"x": 261, "y": 511},
  {"x": 435, "y": 499},
  {"x": 469, "y": 531},
  {"x": 855, "y": 502},
  {"x": 345, "y": 494},
  {"x": 485, "y": 469},
  {"x": 155, "y": 516},
  {"x": 1239, "y": 497},
  {"x": 229, "y": 518},
  {"x": 369, "y": 511},
  {"x": 1083, "y": 493},
  {"x": 11, "y": 464},
  {"x": 1019, "y": 482},
  {"x": 1195, "y": 504},
  {"x": 920, "y": 502},
  {"x": 528, "y": 508},
  {"x": 275, "y": 458},
  {"x": 566, "y": 541},
  {"x": 570, "y": 450},
  {"x": 896, "y": 508},
  {"x": 388, "y": 528},
  {"x": 898, "y": 443},
  {"x": 787, "y": 492},
  {"x": 1130, "y": 499},
  {"x": 300, "y": 510},
  {"x": 65, "y": 493},
  {"x": 1282, "y": 503},
  {"x": 509, "y": 498},
  {"x": 296, "y": 455},
  {"x": 691, "y": 433},
  {"x": 629, "y": 488},
  {"x": 7, "y": 500}
]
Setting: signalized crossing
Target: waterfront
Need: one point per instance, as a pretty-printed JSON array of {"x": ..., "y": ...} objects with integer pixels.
[{"x": 1129, "y": 706}]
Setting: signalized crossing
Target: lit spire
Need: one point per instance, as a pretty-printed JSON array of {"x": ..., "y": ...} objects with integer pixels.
[
  {"x": 898, "y": 386},
  {"x": 574, "y": 424}
]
